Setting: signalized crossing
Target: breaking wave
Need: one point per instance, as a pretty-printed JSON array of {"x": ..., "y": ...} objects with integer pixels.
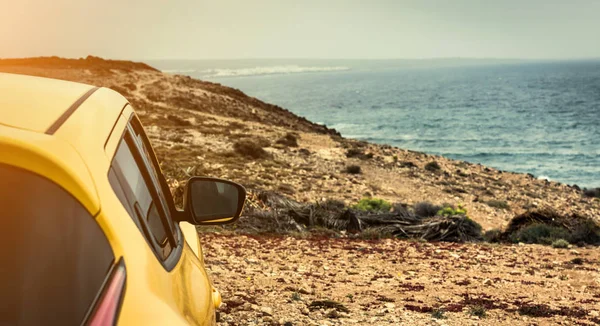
[
  {"x": 178, "y": 71},
  {"x": 271, "y": 70}
]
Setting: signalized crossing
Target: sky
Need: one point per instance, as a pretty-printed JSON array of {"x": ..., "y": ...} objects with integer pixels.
[{"x": 319, "y": 29}]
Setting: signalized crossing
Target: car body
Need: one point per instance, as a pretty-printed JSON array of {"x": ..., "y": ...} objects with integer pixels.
[{"x": 90, "y": 231}]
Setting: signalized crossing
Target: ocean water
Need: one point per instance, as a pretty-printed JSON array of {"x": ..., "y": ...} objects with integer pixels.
[{"x": 533, "y": 117}]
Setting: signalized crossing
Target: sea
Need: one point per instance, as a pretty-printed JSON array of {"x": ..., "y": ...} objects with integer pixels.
[{"x": 538, "y": 117}]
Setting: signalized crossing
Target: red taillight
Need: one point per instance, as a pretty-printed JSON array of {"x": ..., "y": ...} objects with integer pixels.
[{"x": 107, "y": 309}]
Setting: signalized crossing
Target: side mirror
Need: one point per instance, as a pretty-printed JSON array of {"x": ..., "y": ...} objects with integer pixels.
[{"x": 213, "y": 201}]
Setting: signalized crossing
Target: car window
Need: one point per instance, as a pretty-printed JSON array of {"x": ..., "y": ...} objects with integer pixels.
[
  {"x": 162, "y": 188},
  {"x": 144, "y": 200},
  {"x": 55, "y": 256}
]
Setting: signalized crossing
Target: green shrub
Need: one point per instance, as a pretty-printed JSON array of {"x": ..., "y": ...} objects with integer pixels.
[
  {"x": 540, "y": 233},
  {"x": 426, "y": 209},
  {"x": 353, "y": 169},
  {"x": 501, "y": 204},
  {"x": 492, "y": 235},
  {"x": 438, "y": 314},
  {"x": 474, "y": 227},
  {"x": 560, "y": 243},
  {"x": 586, "y": 232},
  {"x": 290, "y": 140},
  {"x": 432, "y": 166},
  {"x": 250, "y": 149},
  {"x": 358, "y": 153},
  {"x": 451, "y": 211},
  {"x": 545, "y": 226},
  {"x": 178, "y": 121},
  {"x": 478, "y": 311},
  {"x": 594, "y": 192},
  {"x": 354, "y": 152},
  {"x": 373, "y": 205}
]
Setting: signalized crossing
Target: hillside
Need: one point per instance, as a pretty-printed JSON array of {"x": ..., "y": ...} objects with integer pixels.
[
  {"x": 194, "y": 125},
  {"x": 203, "y": 128}
]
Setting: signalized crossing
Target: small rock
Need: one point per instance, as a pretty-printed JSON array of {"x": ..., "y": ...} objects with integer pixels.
[
  {"x": 488, "y": 282},
  {"x": 267, "y": 311}
]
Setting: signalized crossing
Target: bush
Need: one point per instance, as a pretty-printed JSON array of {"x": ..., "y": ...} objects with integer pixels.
[
  {"x": 426, "y": 209},
  {"x": 358, "y": 153},
  {"x": 373, "y": 205},
  {"x": 586, "y": 232},
  {"x": 451, "y": 211},
  {"x": 249, "y": 148},
  {"x": 354, "y": 152},
  {"x": 408, "y": 164},
  {"x": 438, "y": 314},
  {"x": 493, "y": 235},
  {"x": 501, "y": 204},
  {"x": 286, "y": 189},
  {"x": 333, "y": 205},
  {"x": 473, "y": 226},
  {"x": 560, "y": 243},
  {"x": 353, "y": 169},
  {"x": 594, "y": 192},
  {"x": 545, "y": 226},
  {"x": 478, "y": 311},
  {"x": 432, "y": 166},
  {"x": 178, "y": 121},
  {"x": 540, "y": 233},
  {"x": 289, "y": 140}
]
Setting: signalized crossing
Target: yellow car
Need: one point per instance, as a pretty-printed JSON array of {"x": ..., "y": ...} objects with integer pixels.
[{"x": 90, "y": 232}]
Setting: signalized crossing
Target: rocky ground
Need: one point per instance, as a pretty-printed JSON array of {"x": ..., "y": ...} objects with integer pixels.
[
  {"x": 323, "y": 281},
  {"x": 202, "y": 128}
]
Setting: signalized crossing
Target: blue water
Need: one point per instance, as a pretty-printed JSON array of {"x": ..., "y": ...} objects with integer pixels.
[{"x": 539, "y": 118}]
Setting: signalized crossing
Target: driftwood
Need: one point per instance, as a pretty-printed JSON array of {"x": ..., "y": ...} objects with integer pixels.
[{"x": 278, "y": 214}]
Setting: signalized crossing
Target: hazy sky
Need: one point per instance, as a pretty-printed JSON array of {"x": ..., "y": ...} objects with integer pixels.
[{"x": 223, "y": 29}]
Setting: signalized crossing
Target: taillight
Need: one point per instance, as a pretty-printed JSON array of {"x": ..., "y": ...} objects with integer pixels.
[{"x": 107, "y": 308}]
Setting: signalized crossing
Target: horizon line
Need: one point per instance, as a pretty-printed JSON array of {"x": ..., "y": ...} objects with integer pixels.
[
  {"x": 373, "y": 59},
  {"x": 321, "y": 58}
]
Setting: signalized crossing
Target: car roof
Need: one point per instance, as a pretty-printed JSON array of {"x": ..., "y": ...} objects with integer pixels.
[
  {"x": 59, "y": 129},
  {"x": 35, "y": 103}
]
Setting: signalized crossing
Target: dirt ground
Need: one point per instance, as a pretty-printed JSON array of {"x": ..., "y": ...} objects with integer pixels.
[{"x": 277, "y": 280}]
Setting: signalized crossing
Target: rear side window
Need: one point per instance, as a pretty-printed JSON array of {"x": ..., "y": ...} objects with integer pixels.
[
  {"x": 54, "y": 255},
  {"x": 142, "y": 196}
]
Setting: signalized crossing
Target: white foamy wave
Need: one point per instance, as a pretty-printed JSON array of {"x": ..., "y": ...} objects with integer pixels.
[
  {"x": 179, "y": 71},
  {"x": 544, "y": 177},
  {"x": 271, "y": 70}
]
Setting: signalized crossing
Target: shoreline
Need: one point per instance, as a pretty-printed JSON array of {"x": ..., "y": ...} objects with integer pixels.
[{"x": 568, "y": 160}]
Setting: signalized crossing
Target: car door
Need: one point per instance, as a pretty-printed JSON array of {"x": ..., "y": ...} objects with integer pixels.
[{"x": 138, "y": 182}]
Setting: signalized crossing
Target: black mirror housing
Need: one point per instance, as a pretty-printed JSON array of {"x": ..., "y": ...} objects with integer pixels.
[{"x": 212, "y": 201}]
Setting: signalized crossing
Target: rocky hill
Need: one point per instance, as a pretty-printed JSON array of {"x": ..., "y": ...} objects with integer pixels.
[
  {"x": 203, "y": 128},
  {"x": 195, "y": 126}
]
